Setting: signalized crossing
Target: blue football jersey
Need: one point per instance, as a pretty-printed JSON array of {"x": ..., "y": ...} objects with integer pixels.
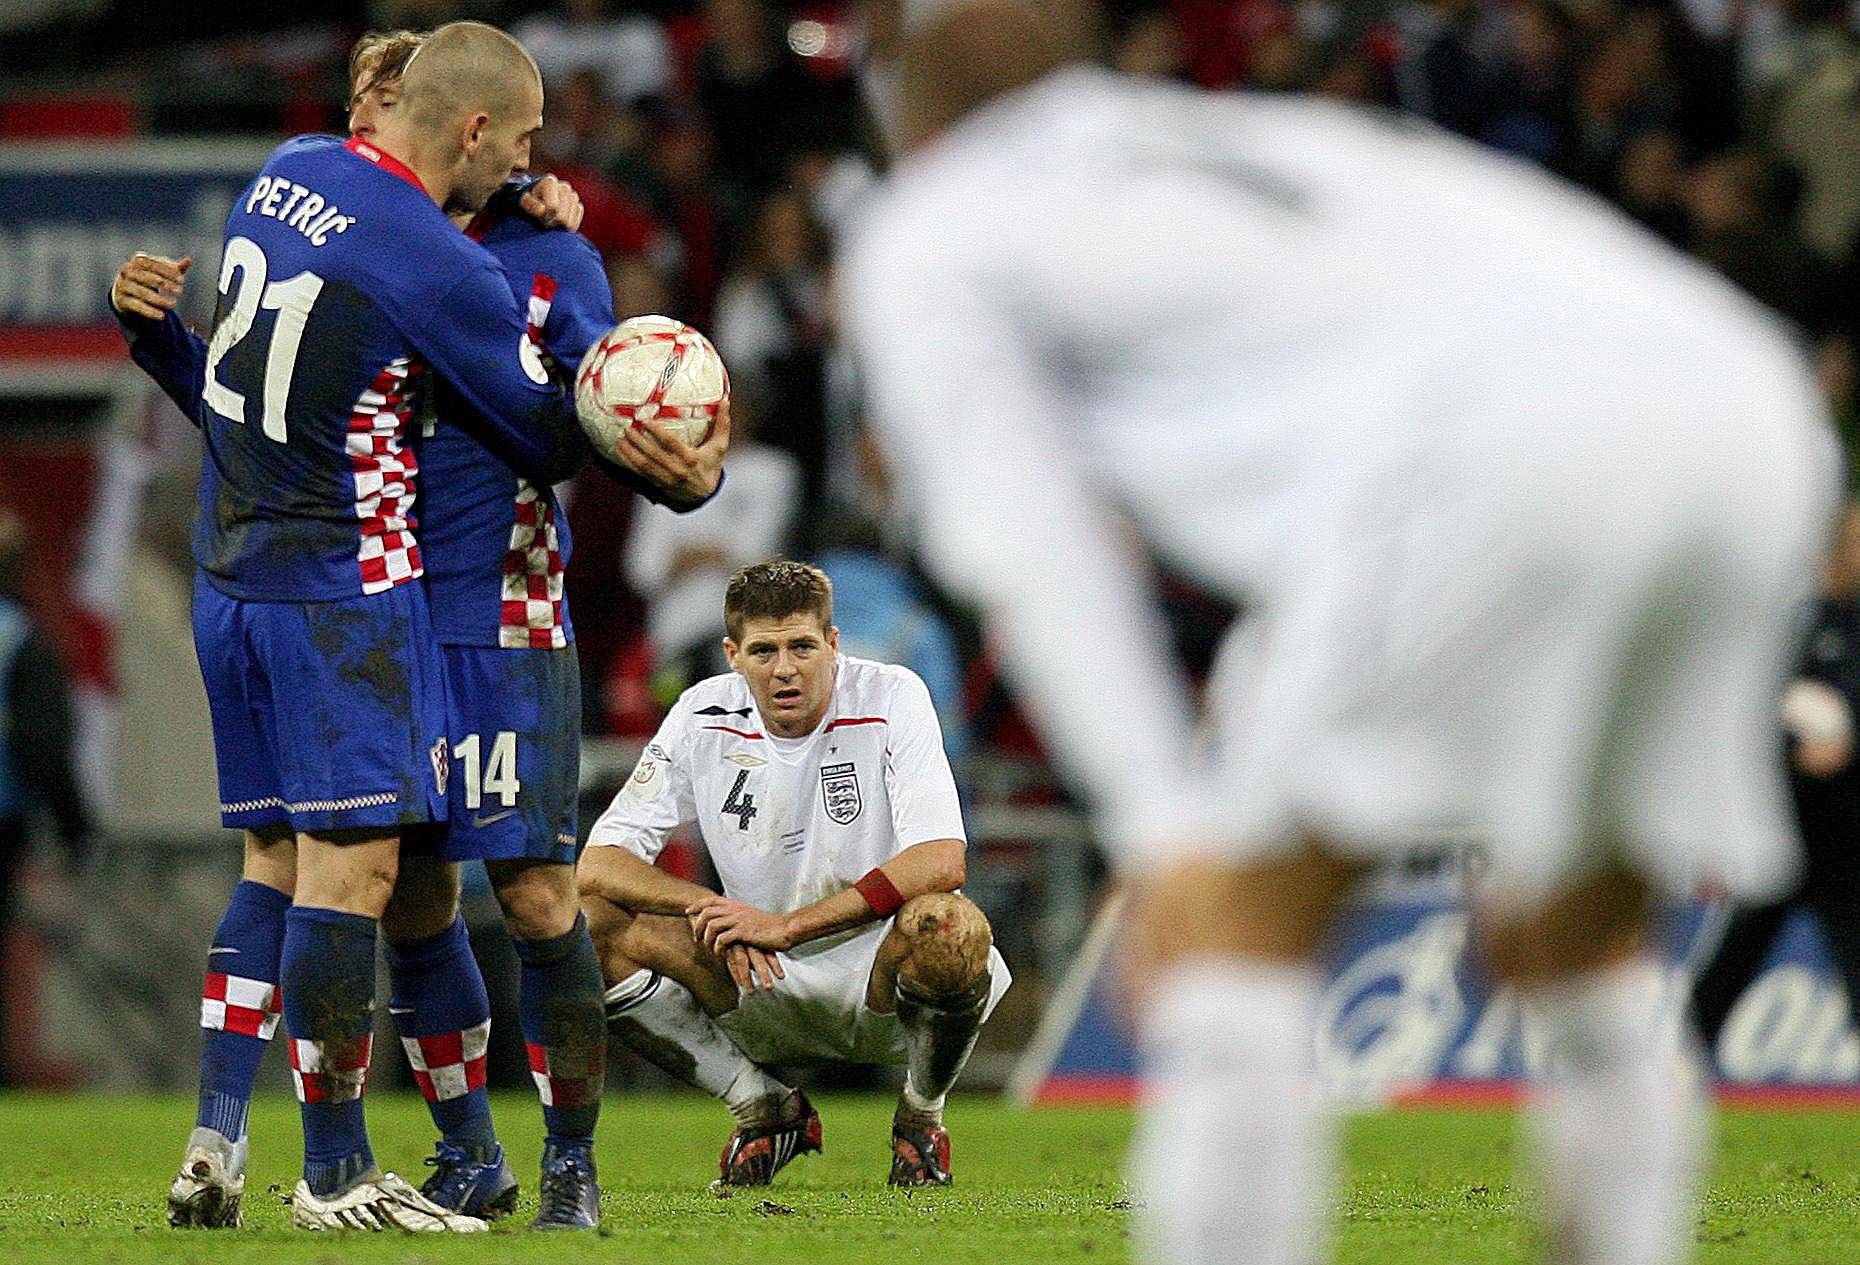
[
  {"x": 496, "y": 543},
  {"x": 341, "y": 285}
]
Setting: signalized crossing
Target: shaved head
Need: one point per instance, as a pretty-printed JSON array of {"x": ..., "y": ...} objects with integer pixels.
[
  {"x": 964, "y": 53},
  {"x": 464, "y": 68},
  {"x": 470, "y": 101}
]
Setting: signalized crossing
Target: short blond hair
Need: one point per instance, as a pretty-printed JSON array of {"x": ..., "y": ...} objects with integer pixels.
[{"x": 380, "y": 57}]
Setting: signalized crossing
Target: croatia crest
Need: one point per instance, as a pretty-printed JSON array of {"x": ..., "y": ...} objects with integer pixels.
[{"x": 839, "y": 791}]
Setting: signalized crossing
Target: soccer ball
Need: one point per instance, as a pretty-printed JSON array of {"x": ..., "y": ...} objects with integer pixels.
[{"x": 650, "y": 367}]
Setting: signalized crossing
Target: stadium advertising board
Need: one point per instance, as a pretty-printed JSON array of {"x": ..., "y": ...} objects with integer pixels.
[
  {"x": 1407, "y": 1013},
  {"x": 70, "y": 214}
]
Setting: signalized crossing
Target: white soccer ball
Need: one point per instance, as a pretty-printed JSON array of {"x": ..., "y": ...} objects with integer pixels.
[{"x": 647, "y": 368}]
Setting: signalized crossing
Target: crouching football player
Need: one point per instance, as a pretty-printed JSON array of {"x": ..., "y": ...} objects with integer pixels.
[{"x": 821, "y": 789}]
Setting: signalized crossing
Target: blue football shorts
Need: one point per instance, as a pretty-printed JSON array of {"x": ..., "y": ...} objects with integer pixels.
[
  {"x": 326, "y": 715},
  {"x": 516, "y": 754}
]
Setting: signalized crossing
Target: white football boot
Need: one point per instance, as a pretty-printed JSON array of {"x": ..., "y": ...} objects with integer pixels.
[
  {"x": 209, "y": 1191},
  {"x": 386, "y": 1203}
]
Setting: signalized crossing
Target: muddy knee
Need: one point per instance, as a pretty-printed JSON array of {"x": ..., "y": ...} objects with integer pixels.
[{"x": 946, "y": 940}]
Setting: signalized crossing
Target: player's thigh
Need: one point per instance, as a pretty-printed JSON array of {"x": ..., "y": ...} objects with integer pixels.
[
  {"x": 240, "y": 709},
  {"x": 815, "y": 1012},
  {"x": 351, "y": 871},
  {"x": 270, "y": 858},
  {"x": 515, "y": 724},
  {"x": 357, "y": 709}
]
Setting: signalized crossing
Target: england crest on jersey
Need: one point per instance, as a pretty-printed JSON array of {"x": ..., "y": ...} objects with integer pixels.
[{"x": 839, "y": 791}]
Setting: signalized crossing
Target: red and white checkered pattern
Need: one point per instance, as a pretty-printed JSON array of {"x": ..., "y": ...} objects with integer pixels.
[
  {"x": 451, "y": 1064},
  {"x": 542, "y": 298},
  {"x": 385, "y": 472},
  {"x": 532, "y": 616},
  {"x": 564, "y": 1087},
  {"x": 231, "y": 1003},
  {"x": 330, "y": 1072}
]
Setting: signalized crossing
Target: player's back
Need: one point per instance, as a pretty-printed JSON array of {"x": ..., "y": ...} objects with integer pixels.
[
  {"x": 334, "y": 257},
  {"x": 495, "y": 544},
  {"x": 1238, "y": 303}
]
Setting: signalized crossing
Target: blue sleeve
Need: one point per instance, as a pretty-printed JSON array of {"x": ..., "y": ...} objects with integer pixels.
[
  {"x": 172, "y": 354},
  {"x": 477, "y": 341},
  {"x": 582, "y": 313}
]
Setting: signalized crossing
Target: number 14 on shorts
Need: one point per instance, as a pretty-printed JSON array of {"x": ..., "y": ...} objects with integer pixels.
[{"x": 497, "y": 775}]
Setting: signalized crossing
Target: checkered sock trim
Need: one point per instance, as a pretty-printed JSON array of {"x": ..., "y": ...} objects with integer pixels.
[
  {"x": 561, "y": 1087},
  {"x": 313, "y": 805},
  {"x": 449, "y": 1064},
  {"x": 321, "y": 1072},
  {"x": 231, "y": 1003}
]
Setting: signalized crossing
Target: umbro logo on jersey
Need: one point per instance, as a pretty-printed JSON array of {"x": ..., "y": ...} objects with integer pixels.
[
  {"x": 839, "y": 792},
  {"x": 745, "y": 761}
]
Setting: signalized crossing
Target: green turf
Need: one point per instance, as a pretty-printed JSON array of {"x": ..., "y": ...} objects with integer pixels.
[{"x": 81, "y": 1180}]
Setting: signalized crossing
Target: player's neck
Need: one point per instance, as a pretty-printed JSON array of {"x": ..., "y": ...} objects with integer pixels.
[{"x": 423, "y": 161}]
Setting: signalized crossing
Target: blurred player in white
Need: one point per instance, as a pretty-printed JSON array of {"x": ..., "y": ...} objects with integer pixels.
[
  {"x": 821, "y": 789},
  {"x": 1523, "y": 507}
]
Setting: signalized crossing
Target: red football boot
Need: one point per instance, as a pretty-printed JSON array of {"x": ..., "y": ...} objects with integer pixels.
[{"x": 756, "y": 1153}]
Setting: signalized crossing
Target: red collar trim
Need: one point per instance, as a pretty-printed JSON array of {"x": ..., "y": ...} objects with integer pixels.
[{"x": 387, "y": 162}]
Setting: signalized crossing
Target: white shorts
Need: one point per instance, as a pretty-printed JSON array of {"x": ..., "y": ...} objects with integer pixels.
[
  {"x": 1567, "y": 650},
  {"x": 818, "y": 1012}
]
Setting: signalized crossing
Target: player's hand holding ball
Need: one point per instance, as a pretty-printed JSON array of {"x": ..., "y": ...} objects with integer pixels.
[{"x": 654, "y": 397}]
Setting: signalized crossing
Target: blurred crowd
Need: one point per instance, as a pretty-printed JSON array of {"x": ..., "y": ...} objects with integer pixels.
[{"x": 718, "y": 145}]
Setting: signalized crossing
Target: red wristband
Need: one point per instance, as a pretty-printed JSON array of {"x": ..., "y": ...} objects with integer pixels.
[{"x": 879, "y": 893}]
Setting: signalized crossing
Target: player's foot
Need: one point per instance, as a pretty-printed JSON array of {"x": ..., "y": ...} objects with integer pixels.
[
  {"x": 570, "y": 1198},
  {"x": 756, "y": 1152},
  {"x": 463, "y": 1183},
  {"x": 919, "y": 1154},
  {"x": 209, "y": 1191},
  {"x": 385, "y": 1203}
]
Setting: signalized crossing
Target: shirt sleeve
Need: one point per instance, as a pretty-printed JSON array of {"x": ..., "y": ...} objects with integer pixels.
[
  {"x": 918, "y": 781},
  {"x": 656, "y": 799},
  {"x": 1011, "y": 519},
  {"x": 478, "y": 342},
  {"x": 170, "y": 353}
]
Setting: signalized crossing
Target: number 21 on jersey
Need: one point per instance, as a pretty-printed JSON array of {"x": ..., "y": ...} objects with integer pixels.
[{"x": 291, "y": 300}]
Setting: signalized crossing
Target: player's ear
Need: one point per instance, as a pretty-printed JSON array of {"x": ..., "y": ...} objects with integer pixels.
[
  {"x": 729, "y": 654},
  {"x": 833, "y": 638},
  {"x": 475, "y": 126}
]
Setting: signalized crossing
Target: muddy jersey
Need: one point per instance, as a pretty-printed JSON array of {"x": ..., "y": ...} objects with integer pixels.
[{"x": 341, "y": 282}]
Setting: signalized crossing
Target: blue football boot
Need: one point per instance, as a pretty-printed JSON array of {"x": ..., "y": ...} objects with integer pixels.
[
  {"x": 570, "y": 1198},
  {"x": 463, "y": 1183}
]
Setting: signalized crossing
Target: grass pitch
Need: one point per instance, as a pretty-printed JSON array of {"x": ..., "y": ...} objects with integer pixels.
[{"x": 82, "y": 1179}]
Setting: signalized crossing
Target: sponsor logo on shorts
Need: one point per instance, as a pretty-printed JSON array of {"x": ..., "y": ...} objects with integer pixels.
[
  {"x": 839, "y": 791},
  {"x": 442, "y": 764},
  {"x": 481, "y": 821}
]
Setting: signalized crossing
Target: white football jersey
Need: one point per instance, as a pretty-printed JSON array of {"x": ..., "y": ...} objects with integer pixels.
[
  {"x": 1241, "y": 325},
  {"x": 789, "y": 821}
]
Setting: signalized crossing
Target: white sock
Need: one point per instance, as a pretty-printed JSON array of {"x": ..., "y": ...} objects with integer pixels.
[
  {"x": 1620, "y": 1128},
  {"x": 658, "y": 1019},
  {"x": 924, "y": 1108},
  {"x": 1232, "y": 1158}
]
